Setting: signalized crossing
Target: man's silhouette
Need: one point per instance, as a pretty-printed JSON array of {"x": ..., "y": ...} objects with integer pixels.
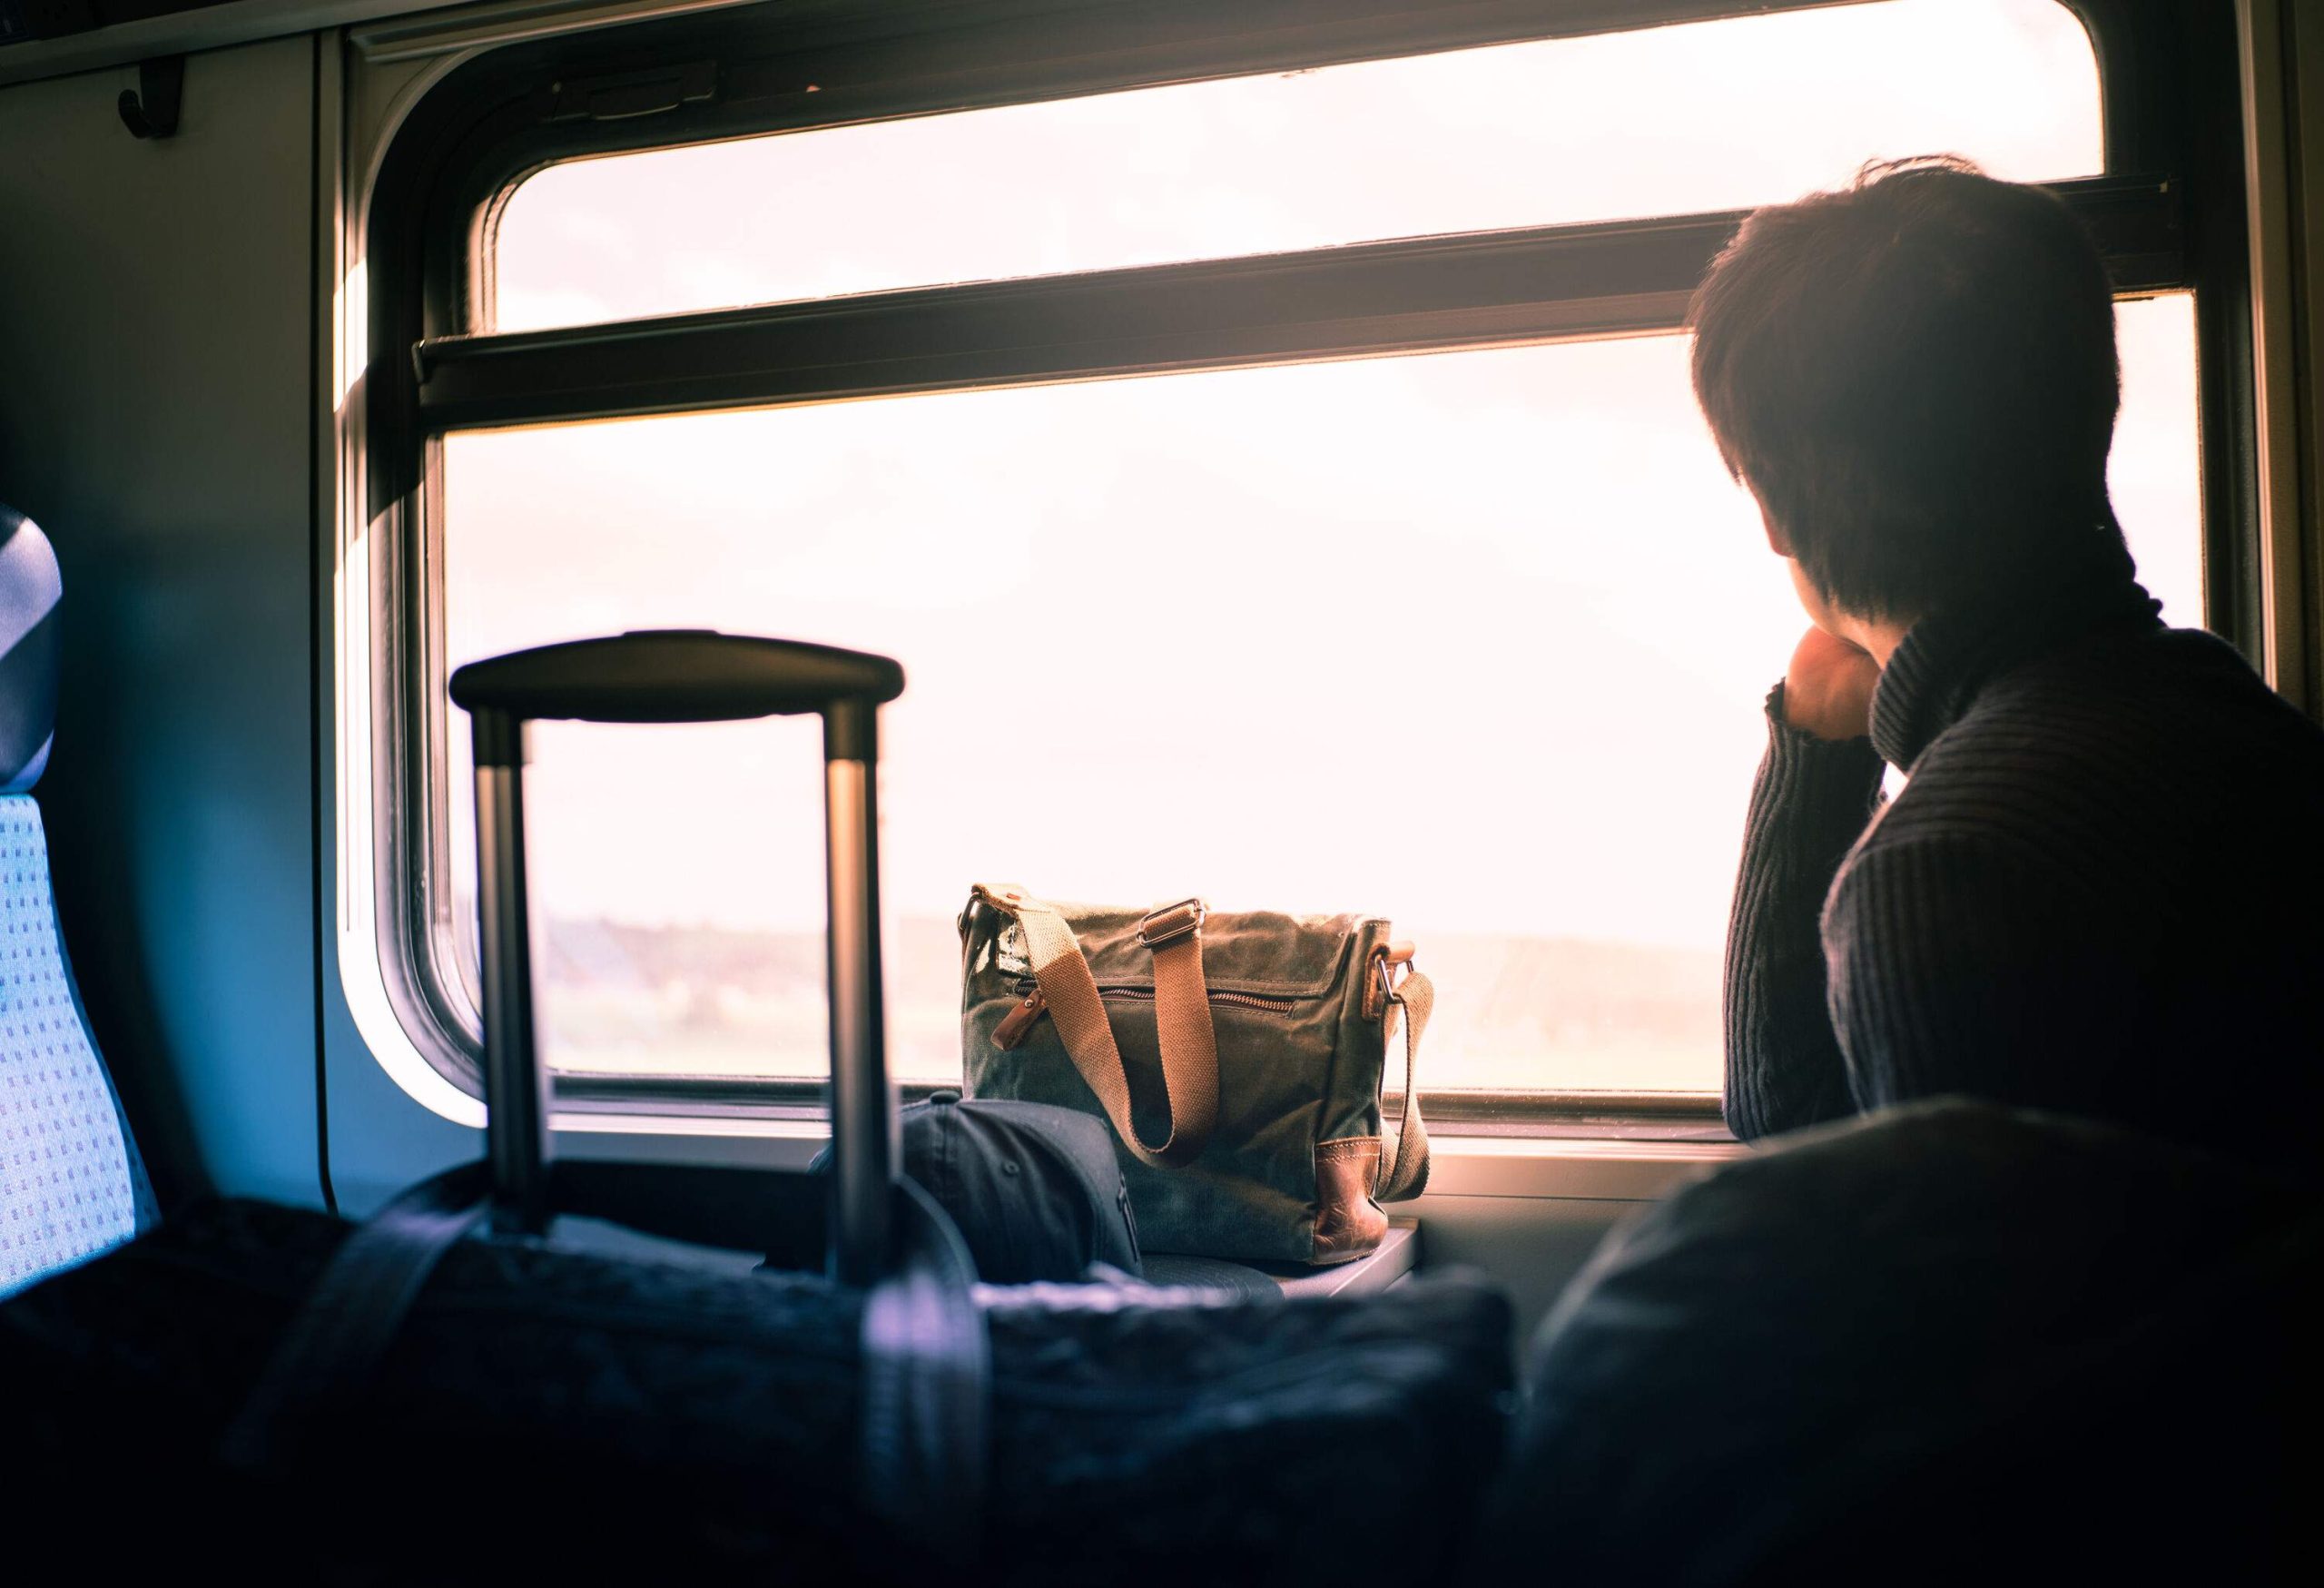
[{"x": 2102, "y": 891}]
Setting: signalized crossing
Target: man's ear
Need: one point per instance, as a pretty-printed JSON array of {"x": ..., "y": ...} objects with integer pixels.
[{"x": 1777, "y": 541}]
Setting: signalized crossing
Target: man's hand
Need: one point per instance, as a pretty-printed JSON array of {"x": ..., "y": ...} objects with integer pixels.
[{"x": 1828, "y": 690}]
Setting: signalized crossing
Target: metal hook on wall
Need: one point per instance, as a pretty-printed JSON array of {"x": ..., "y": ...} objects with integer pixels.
[{"x": 150, "y": 110}]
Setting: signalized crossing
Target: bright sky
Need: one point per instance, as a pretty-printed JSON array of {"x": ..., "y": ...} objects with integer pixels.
[
  {"x": 1665, "y": 122},
  {"x": 1476, "y": 640}
]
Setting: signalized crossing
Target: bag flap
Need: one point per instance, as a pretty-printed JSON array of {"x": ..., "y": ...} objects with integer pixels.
[{"x": 1258, "y": 951}]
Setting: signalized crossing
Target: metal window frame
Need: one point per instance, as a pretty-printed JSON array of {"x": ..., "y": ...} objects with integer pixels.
[{"x": 2168, "y": 215}]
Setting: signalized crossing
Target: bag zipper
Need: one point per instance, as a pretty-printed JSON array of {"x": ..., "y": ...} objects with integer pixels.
[{"x": 1031, "y": 1006}]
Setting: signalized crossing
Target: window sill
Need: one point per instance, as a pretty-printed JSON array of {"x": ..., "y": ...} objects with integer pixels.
[{"x": 1596, "y": 1168}]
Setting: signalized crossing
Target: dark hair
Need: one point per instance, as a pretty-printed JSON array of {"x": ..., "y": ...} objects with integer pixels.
[{"x": 1916, "y": 377}]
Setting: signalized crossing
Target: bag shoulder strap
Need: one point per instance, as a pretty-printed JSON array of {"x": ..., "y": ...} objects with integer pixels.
[
  {"x": 1403, "y": 1174},
  {"x": 1181, "y": 1018},
  {"x": 926, "y": 1391},
  {"x": 335, "y": 1340}
]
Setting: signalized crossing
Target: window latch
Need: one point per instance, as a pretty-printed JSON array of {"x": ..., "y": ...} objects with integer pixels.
[{"x": 624, "y": 95}]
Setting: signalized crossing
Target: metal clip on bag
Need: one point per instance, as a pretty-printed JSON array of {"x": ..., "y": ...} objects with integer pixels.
[{"x": 1238, "y": 1056}]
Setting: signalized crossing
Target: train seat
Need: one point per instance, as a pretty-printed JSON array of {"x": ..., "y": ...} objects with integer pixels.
[{"x": 72, "y": 1184}]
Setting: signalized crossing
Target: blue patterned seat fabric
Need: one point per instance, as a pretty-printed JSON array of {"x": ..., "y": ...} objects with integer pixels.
[{"x": 71, "y": 1182}]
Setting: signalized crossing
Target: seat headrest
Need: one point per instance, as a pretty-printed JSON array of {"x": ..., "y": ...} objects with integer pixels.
[{"x": 31, "y": 586}]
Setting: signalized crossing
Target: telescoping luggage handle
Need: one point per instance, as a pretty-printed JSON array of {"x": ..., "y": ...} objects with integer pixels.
[
  {"x": 925, "y": 1366},
  {"x": 688, "y": 675}
]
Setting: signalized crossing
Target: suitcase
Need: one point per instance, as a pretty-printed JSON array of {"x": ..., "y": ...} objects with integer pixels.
[
  {"x": 394, "y": 1402},
  {"x": 923, "y": 1355}
]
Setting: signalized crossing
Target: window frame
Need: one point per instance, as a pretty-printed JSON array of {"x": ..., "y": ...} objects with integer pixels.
[{"x": 2168, "y": 214}]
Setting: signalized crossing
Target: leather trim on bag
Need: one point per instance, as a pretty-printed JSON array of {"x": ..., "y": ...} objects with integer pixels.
[
  {"x": 1396, "y": 955},
  {"x": 1348, "y": 1222}
]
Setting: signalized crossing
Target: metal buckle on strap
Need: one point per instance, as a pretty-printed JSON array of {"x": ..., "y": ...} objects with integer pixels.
[
  {"x": 1171, "y": 921},
  {"x": 1395, "y": 957}
]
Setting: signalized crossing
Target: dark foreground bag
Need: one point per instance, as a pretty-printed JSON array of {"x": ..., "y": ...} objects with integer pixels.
[
  {"x": 1951, "y": 1343},
  {"x": 1239, "y": 1058},
  {"x": 441, "y": 1394},
  {"x": 568, "y": 1416}
]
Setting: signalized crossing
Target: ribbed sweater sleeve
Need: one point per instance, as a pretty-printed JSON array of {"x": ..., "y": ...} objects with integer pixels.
[
  {"x": 1811, "y": 802},
  {"x": 1975, "y": 961}
]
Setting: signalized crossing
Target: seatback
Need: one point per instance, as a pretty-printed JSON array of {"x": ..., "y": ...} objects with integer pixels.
[{"x": 71, "y": 1182}]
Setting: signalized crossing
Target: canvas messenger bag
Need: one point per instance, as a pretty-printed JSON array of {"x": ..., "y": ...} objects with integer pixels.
[{"x": 1237, "y": 1056}]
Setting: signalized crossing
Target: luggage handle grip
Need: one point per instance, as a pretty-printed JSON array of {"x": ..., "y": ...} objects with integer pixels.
[{"x": 675, "y": 675}]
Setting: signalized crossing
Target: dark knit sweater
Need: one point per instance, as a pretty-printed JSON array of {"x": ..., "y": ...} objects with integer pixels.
[{"x": 2102, "y": 891}]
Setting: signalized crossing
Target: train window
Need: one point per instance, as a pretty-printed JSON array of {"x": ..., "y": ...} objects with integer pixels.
[
  {"x": 1661, "y": 122},
  {"x": 1476, "y": 639},
  {"x": 1405, "y": 581}
]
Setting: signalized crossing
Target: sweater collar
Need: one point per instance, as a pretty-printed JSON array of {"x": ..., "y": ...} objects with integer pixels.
[{"x": 1947, "y": 658}]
